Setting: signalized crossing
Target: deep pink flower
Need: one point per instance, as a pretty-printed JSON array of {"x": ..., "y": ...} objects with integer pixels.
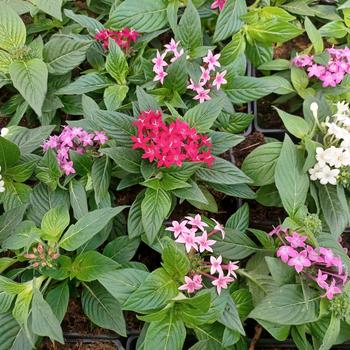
[
  {"x": 321, "y": 279},
  {"x": 296, "y": 240},
  {"x": 285, "y": 252},
  {"x": 67, "y": 167},
  {"x": 331, "y": 290},
  {"x": 100, "y": 137},
  {"x": 300, "y": 261},
  {"x": 215, "y": 264},
  {"x": 221, "y": 282},
  {"x": 218, "y": 4},
  {"x": 328, "y": 256}
]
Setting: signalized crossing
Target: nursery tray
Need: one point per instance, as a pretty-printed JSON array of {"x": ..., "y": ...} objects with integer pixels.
[{"x": 76, "y": 338}]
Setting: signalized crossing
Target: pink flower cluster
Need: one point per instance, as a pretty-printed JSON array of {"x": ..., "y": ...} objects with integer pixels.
[
  {"x": 192, "y": 233},
  {"x": 318, "y": 264},
  {"x": 42, "y": 256},
  {"x": 331, "y": 74},
  {"x": 218, "y": 4},
  {"x": 73, "y": 139},
  {"x": 170, "y": 144},
  {"x": 208, "y": 78},
  {"x": 160, "y": 63},
  {"x": 123, "y": 38}
]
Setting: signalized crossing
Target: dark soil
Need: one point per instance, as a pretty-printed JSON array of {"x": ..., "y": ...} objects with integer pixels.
[
  {"x": 267, "y": 117},
  {"x": 265, "y": 218},
  {"x": 79, "y": 345},
  {"x": 241, "y": 151},
  {"x": 297, "y": 44}
]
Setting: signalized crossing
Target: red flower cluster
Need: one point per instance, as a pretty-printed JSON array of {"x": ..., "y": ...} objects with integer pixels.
[
  {"x": 123, "y": 38},
  {"x": 170, "y": 144}
]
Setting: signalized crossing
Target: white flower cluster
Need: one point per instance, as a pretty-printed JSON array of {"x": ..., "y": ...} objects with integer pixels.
[
  {"x": 330, "y": 160},
  {"x": 2, "y": 183}
]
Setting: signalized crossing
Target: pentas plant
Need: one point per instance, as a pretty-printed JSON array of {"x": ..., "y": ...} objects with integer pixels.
[
  {"x": 170, "y": 144},
  {"x": 319, "y": 264},
  {"x": 74, "y": 139},
  {"x": 192, "y": 233},
  {"x": 218, "y": 4},
  {"x": 160, "y": 63},
  {"x": 209, "y": 79},
  {"x": 333, "y": 159},
  {"x": 43, "y": 256},
  {"x": 124, "y": 38},
  {"x": 331, "y": 74}
]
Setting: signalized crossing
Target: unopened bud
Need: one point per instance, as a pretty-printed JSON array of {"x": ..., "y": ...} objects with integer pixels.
[{"x": 314, "y": 109}]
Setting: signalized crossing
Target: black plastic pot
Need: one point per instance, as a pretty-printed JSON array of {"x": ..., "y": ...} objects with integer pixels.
[{"x": 74, "y": 338}]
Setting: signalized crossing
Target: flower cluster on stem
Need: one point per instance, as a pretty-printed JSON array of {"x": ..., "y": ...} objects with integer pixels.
[
  {"x": 170, "y": 144},
  {"x": 209, "y": 79},
  {"x": 333, "y": 160},
  {"x": 319, "y": 264},
  {"x": 123, "y": 37},
  {"x": 159, "y": 62},
  {"x": 330, "y": 74},
  {"x": 73, "y": 139},
  {"x": 218, "y": 4},
  {"x": 192, "y": 233},
  {"x": 43, "y": 256}
]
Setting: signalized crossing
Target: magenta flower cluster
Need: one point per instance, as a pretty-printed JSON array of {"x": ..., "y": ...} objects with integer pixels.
[
  {"x": 160, "y": 63},
  {"x": 218, "y": 4},
  {"x": 73, "y": 139},
  {"x": 209, "y": 78},
  {"x": 123, "y": 38},
  {"x": 318, "y": 264},
  {"x": 331, "y": 74},
  {"x": 192, "y": 232}
]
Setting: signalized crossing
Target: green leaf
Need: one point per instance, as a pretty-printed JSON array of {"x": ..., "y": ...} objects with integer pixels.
[
  {"x": 135, "y": 227},
  {"x": 176, "y": 79},
  {"x": 334, "y": 29},
  {"x": 116, "y": 63},
  {"x": 233, "y": 49},
  {"x": 189, "y": 31},
  {"x": 287, "y": 306},
  {"x": 122, "y": 249},
  {"x": 5, "y": 61},
  {"x": 25, "y": 234},
  {"x": 175, "y": 261},
  {"x": 167, "y": 334},
  {"x": 114, "y": 96},
  {"x": 273, "y": 31},
  {"x": 127, "y": 158},
  {"x": 30, "y": 79},
  {"x": 90, "y": 23},
  {"x": 88, "y": 266},
  {"x": 101, "y": 177},
  {"x": 85, "y": 83},
  {"x": 87, "y": 227},
  {"x": 203, "y": 116},
  {"x": 12, "y": 29},
  {"x": 244, "y": 302},
  {"x": 229, "y": 20},
  {"x": 223, "y": 172},
  {"x": 146, "y": 101},
  {"x": 63, "y": 53},
  {"x": 78, "y": 199},
  {"x": 268, "y": 196},
  {"x": 211, "y": 204},
  {"x": 9, "y": 154},
  {"x": 277, "y": 64},
  {"x": 193, "y": 193},
  {"x": 122, "y": 283},
  {"x": 334, "y": 207},
  {"x": 9, "y": 221},
  {"x": 51, "y": 7},
  {"x": 331, "y": 335},
  {"x": 102, "y": 309},
  {"x": 54, "y": 222},
  {"x": 314, "y": 35},
  {"x": 240, "y": 219},
  {"x": 280, "y": 272},
  {"x": 58, "y": 299},
  {"x": 230, "y": 317},
  {"x": 153, "y": 294},
  {"x": 292, "y": 183},
  {"x": 149, "y": 17},
  {"x": 154, "y": 208},
  {"x": 44, "y": 322},
  {"x": 297, "y": 126}
]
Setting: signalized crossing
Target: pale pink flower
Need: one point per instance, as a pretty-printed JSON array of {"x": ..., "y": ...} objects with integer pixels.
[
  {"x": 177, "y": 55},
  {"x": 190, "y": 285},
  {"x": 195, "y": 87},
  {"x": 202, "y": 95},
  {"x": 221, "y": 282},
  {"x": 321, "y": 279},
  {"x": 205, "y": 243},
  {"x": 189, "y": 239},
  {"x": 285, "y": 252},
  {"x": 212, "y": 60},
  {"x": 159, "y": 62},
  {"x": 160, "y": 76},
  {"x": 232, "y": 267},
  {"x": 331, "y": 290},
  {"x": 215, "y": 264},
  {"x": 300, "y": 261},
  {"x": 178, "y": 228},
  {"x": 218, "y": 227},
  {"x": 172, "y": 46},
  {"x": 205, "y": 75},
  {"x": 220, "y": 80},
  {"x": 197, "y": 222},
  {"x": 197, "y": 279},
  {"x": 296, "y": 240},
  {"x": 100, "y": 137},
  {"x": 328, "y": 256}
]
